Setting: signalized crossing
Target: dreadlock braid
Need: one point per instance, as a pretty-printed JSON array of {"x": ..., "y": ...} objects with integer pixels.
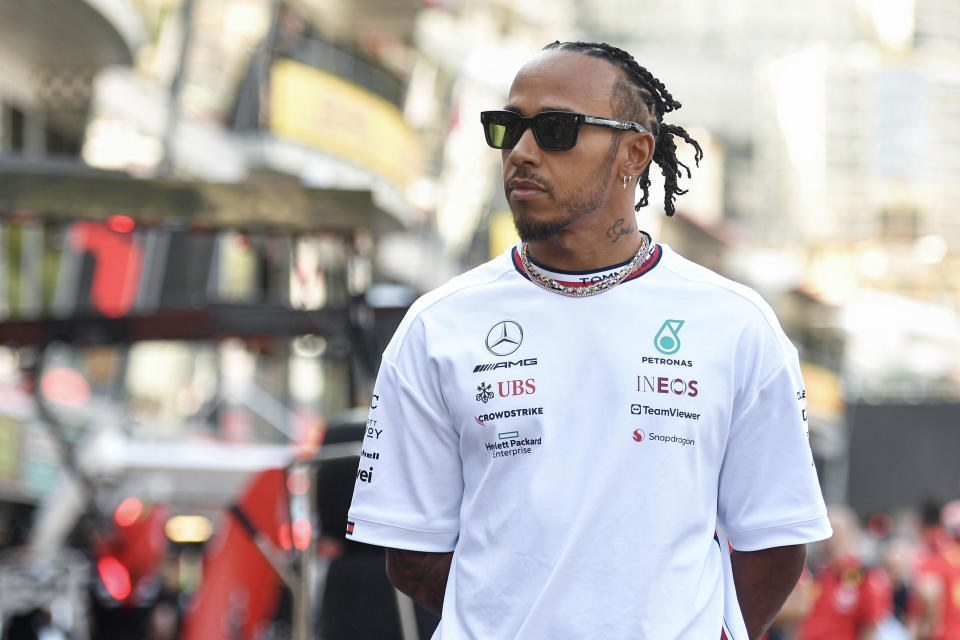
[{"x": 650, "y": 100}]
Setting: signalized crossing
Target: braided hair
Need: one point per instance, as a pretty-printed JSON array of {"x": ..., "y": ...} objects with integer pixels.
[{"x": 643, "y": 98}]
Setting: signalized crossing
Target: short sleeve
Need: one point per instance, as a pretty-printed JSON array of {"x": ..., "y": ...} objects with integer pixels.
[
  {"x": 769, "y": 495},
  {"x": 410, "y": 482}
]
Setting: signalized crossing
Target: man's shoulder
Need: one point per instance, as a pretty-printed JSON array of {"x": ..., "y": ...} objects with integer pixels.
[
  {"x": 693, "y": 272},
  {"x": 454, "y": 295},
  {"x": 451, "y": 292},
  {"x": 735, "y": 295}
]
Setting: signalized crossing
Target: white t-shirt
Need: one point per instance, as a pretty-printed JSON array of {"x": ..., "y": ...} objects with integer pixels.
[{"x": 578, "y": 454}]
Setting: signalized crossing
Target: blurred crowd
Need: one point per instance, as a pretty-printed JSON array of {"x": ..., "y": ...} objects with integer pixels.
[{"x": 887, "y": 578}]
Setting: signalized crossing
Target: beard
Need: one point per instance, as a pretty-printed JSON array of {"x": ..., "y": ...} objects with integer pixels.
[{"x": 584, "y": 200}]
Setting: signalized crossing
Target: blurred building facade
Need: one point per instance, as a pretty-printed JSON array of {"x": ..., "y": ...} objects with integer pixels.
[
  {"x": 45, "y": 90},
  {"x": 191, "y": 197},
  {"x": 45, "y": 94}
]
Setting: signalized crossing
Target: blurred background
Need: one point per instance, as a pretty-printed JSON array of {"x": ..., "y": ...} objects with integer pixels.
[{"x": 213, "y": 214}]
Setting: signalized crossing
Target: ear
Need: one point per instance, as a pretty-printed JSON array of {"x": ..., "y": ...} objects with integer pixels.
[{"x": 638, "y": 149}]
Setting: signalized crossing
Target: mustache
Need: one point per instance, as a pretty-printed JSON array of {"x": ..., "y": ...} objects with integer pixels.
[{"x": 525, "y": 173}]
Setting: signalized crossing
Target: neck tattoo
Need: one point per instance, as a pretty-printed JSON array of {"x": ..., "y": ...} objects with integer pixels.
[
  {"x": 544, "y": 281},
  {"x": 620, "y": 230}
]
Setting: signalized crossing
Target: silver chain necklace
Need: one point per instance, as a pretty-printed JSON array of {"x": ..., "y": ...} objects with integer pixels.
[{"x": 546, "y": 282}]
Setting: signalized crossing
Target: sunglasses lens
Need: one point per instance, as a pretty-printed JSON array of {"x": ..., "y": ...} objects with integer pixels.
[
  {"x": 502, "y": 129},
  {"x": 496, "y": 133},
  {"x": 556, "y": 131}
]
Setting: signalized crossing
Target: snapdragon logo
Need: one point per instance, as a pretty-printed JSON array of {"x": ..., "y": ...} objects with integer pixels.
[
  {"x": 639, "y": 435},
  {"x": 659, "y": 437}
]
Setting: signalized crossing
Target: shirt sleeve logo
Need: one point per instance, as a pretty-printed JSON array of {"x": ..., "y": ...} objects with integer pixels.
[
  {"x": 504, "y": 338},
  {"x": 667, "y": 341}
]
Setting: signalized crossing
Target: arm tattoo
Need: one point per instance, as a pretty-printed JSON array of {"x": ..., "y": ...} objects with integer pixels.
[
  {"x": 617, "y": 230},
  {"x": 420, "y": 575}
]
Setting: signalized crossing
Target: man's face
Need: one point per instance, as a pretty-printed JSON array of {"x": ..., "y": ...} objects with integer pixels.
[{"x": 549, "y": 191}]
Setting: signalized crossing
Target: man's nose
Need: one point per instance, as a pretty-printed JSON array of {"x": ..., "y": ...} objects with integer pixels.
[{"x": 526, "y": 151}]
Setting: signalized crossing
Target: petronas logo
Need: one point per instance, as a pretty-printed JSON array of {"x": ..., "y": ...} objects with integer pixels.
[{"x": 667, "y": 341}]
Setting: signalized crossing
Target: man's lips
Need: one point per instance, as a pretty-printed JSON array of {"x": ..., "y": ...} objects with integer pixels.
[{"x": 522, "y": 189}]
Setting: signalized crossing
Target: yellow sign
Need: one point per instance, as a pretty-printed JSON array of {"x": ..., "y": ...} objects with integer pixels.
[
  {"x": 9, "y": 450},
  {"x": 325, "y": 111},
  {"x": 502, "y": 233},
  {"x": 824, "y": 392}
]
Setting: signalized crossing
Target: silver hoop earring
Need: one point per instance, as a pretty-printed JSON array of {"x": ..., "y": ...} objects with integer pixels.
[{"x": 624, "y": 182}]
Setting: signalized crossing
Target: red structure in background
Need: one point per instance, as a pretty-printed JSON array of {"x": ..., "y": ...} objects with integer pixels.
[
  {"x": 241, "y": 590},
  {"x": 129, "y": 558},
  {"x": 118, "y": 258}
]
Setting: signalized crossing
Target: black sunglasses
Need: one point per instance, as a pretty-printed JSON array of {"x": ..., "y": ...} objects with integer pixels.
[{"x": 554, "y": 130}]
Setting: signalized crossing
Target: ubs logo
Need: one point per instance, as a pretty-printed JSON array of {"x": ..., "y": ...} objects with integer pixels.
[
  {"x": 516, "y": 388},
  {"x": 504, "y": 338},
  {"x": 639, "y": 435},
  {"x": 484, "y": 393}
]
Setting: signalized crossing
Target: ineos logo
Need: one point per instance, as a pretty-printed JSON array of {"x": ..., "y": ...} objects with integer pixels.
[
  {"x": 660, "y": 384},
  {"x": 504, "y": 338}
]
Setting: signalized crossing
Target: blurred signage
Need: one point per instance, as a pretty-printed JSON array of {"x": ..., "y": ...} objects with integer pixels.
[
  {"x": 29, "y": 460},
  {"x": 824, "y": 392},
  {"x": 322, "y": 110},
  {"x": 98, "y": 268},
  {"x": 9, "y": 452},
  {"x": 503, "y": 233},
  {"x": 40, "y": 463},
  {"x": 118, "y": 259}
]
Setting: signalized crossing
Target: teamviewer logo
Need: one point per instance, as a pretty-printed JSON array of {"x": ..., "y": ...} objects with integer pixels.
[{"x": 636, "y": 409}]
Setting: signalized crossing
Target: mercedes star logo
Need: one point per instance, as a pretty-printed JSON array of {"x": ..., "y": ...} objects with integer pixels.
[{"x": 504, "y": 338}]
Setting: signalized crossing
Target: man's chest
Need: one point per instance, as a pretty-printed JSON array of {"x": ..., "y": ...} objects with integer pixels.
[{"x": 531, "y": 386}]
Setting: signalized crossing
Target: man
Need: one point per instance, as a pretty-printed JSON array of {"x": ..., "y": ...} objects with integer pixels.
[
  {"x": 933, "y": 612},
  {"x": 850, "y": 600},
  {"x": 556, "y": 435}
]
